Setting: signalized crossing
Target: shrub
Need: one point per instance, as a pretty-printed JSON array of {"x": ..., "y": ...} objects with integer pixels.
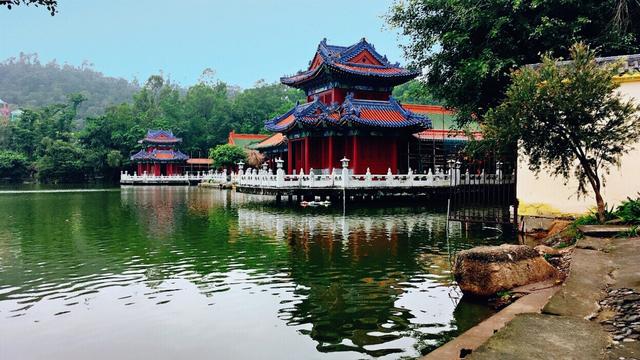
[
  {"x": 629, "y": 210},
  {"x": 13, "y": 165},
  {"x": 227, "y": 155}
]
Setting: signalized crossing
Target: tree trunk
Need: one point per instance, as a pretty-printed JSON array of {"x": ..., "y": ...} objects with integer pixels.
[{"x": 601, "y": 207}]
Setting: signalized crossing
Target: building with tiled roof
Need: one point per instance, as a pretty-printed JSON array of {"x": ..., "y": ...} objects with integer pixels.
[
  {"x": 5, "y": 111},
  {"x": 159, "y": 155},
  {"x": 349, "y": 113},
  {"x": 245, "y": 140}
]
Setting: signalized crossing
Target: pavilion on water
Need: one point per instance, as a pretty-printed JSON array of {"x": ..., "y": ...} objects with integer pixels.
[
  {"x": 159, "y": 155},
  {"x": 349, "y": 113}
]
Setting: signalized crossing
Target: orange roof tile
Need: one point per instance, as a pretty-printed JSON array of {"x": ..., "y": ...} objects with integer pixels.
[{"x": 274, "y": 140}]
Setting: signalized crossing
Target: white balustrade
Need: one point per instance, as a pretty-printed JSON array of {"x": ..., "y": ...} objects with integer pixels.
[{"x": 343, "y": 178}]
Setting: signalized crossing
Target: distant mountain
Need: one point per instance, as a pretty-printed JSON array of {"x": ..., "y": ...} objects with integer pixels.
[{"x": 27, "y": 83}]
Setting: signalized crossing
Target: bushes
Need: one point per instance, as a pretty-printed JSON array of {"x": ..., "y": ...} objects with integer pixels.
[
  {"x": 13, "y": 165},
  {"x": 227, "y": 156},
  {"x": 627, "y": 213},
  {"x": 629, "y": 210}
]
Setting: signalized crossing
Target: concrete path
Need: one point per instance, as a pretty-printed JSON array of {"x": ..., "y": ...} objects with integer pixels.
[
  {"x": 539, "y": 336},
  {"x": 565, "y": 329},
  {"x": 538, "y": 296}
]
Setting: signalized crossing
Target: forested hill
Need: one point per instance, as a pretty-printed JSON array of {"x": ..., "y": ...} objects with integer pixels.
[{"x": 28, "y": 83}]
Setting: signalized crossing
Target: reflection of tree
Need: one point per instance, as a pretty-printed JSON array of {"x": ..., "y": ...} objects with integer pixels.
[
  {"x": 352, "y": 270},
  {"x": 349, "y": 272},
  {"x": 90, "y": 241}
]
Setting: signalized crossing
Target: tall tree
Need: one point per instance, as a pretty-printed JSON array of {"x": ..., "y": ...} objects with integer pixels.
[
  {"x": 469, "y": 47},
  {"x": 568, "y": 119},
  {"x": 252, "y": 107}
]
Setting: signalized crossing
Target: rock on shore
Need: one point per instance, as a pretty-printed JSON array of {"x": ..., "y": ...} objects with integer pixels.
[{"x": 485, "y": 270}]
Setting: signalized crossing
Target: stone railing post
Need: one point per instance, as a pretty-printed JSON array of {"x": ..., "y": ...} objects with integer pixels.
[
  {"x": 499, "y": 172},
  {"x": 240, "y": 168},
  {"x": 345, "y": 172},
  {"x": 389, "y": 177},
  {"x": 367, "y": 178},
  {"x": 279, "y": 173}
]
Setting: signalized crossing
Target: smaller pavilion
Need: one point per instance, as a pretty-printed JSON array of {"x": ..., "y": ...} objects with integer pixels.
[{"x": 159, "y": 155}]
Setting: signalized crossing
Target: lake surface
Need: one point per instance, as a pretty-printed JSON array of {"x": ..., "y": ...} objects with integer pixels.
[{"x": 178, "y": 272}]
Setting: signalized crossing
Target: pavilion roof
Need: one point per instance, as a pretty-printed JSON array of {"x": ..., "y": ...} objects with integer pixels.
[
  {"x": 360, "y": 60},
  {"x": 272, "y": 141},
  {"x": 158, "y": 155},
  {"x": 351, "y": 113},
  {"x": 160, "y": 137}
]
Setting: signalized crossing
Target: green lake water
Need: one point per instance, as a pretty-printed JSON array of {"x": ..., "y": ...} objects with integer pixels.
[{"x": 189, "y": 273}]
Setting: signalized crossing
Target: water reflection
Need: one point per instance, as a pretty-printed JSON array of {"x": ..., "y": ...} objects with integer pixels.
[{"x": 225, "y": 271}]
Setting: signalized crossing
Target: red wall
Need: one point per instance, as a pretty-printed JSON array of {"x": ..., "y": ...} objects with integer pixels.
[
  {"x": 376, "y": 153},
  {"x": 338, "y": 95}
]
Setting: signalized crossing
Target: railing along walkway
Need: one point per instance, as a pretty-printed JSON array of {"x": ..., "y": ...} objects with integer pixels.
[{"x": 187, "y": 178}]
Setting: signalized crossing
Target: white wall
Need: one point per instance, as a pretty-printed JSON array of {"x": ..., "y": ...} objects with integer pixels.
[{"x": 553, "y": 193}]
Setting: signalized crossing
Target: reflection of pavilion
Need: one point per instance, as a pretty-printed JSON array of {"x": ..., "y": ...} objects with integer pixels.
[
  {"x": 160, "y": 208},
  {"x": 281, "y": 225}
]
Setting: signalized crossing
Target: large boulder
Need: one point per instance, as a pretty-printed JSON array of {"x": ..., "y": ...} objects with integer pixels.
[{"x": 485, "y": 270}]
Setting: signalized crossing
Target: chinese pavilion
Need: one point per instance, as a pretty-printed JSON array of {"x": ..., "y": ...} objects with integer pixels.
[
  {"x": 349, "y": 113},
  {"x": 159, "y": 156}
]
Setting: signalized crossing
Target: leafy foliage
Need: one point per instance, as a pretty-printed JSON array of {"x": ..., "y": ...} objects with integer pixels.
[
  {"x": 414, "y": 92},
  {"x": 51, "y": 5},
  {"x": 227, "y": 156},
  {"x": 202, "y": 115},
  {"x": 13, "y": 165},
  {"x": 567, "y": 119},
  {"x": 470, "y": 47},
  {"x": 629, "y": 210},
  {"x": 61, "y": 161}
]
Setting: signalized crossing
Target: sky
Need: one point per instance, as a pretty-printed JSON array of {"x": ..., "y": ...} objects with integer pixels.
[{"x": 242, "y": 40}]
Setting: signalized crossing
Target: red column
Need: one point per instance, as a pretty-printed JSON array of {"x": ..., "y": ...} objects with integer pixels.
[
  {"x": 354, "y": 161},
  {"x": 306, "y": 155},
  {"x": 290, "y": 157},
  {"x": 139, "y": 168},
  {"x": 156, "y": 169},
  {"x": 394, "y": 155},
  {"x": 330, "y": 152}
]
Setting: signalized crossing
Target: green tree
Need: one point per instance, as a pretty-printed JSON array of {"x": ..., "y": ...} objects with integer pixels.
[
  {"x": 252, "y": 107},
  {"x": 568, "y": 119},
  {"x": 61, "y": 162},
  {"x": 227, "y": 156},
  {"x": 470, "y": 47},
  {"x": 13, "y": 165},
  {"x": 414, "y": 92},
  {"x": 207, "y": 117}
]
